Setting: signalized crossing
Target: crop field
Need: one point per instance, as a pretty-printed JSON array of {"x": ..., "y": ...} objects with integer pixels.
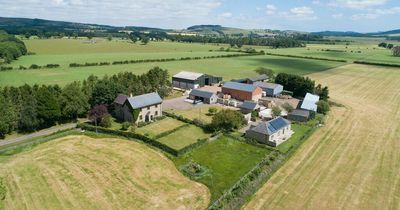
[
  {"x": 225, "y": 160},
  {"x": 184, "y": 137},
  {"x": 79, "y": 172},
  {"x": 353, "y": 162},
  {"x": 159, "y": 127},
  {"x": 64, "y": 51}
]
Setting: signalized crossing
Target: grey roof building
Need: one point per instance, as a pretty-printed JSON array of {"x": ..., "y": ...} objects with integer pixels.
[
  {"x": 144, "y": 100},
  {"x": 299, "y": 115},
  {"x": 310, "y": 102},
  {"x": 120, "y": 100},
  {"x": 240, "y": 86},
  {"x": 271, "y": 89},
  {"x": 192, "y": 80},
  {"x": 251, "y": 80},
  {"x": 273, "y": 132},
  {"x": 248, "y": 107},
  {"x": 203, "y": 96}
]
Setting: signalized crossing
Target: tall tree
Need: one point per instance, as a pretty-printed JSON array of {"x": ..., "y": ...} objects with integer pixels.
[
  {"x": 73, "y": 101},
  {"x": 48, "y": 107},
  {"x": 396, "y": 51},
  {"x": 8, "y": 117},
  {"x": 28, "y": 117}
]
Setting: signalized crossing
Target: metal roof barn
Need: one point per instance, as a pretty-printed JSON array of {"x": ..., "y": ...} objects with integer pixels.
[{"x": 310, "y": 102}]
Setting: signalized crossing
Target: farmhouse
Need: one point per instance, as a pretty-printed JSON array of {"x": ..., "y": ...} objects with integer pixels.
[
  {"x": 191, "y": 80},
  {"x": 203, "y": 96},
  {"x": 273, "y": 132},
  {"x": 147, "y": 106},
  {"x": 252, "y": 80},
  {"x": 242, "y": 92},
  {"x": 310, "y": 102},
  {"x": 270, "y": 89},
  {"x": 248, "y": 106},
  {"x": 299, "y": 115}
]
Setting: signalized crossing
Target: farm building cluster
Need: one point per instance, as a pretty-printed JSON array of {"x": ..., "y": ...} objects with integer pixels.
[{"x": 256, "y": 98}]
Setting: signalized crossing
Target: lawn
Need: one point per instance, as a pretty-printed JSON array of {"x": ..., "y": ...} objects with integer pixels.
[
  {"x": 299, "y": 131},
  {"x": 226, "y": 160},
  {"x": 158, "y": 127},
  {"x": 184, "y": 137},
  {"x": 79, "y": 172},
  {"x": 64, "y": 52},
  {"x": 200, "y": 113}
]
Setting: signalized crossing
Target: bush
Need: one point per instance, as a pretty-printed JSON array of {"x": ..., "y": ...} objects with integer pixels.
[
  {"x": 106, "y": 121},
  {"x": 323, "y": 107},
  {"x": 125, "y": 126},
  {"x": 212, "y": 110},
  {"x": 193, "y": 169},
  {"x": 2, "y": 190},
  {"x": 34, "y": 66},
  {"x": 227, "y": 120},
  {"x": 288, "y": 107}
]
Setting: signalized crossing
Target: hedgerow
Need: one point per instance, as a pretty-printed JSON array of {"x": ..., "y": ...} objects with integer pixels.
[{"x": 308, "y": 57}]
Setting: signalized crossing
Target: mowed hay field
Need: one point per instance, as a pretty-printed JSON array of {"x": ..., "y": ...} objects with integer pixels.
[
  {"x": 66, "y": 51},
  {"x": 79, "y": 172},
  {"x": 353, "y": 162}
]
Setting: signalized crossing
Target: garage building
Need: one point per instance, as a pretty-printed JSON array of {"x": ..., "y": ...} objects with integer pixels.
[{"x": 204, "y": 96}]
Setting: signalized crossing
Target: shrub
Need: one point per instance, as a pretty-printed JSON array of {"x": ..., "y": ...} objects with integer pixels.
[
  {"x": 212, "y": 110},
  {"x": 193, "y": 169},
  {"x": 276, "y": 111},
  {"x": 125, "y": 126},
  {"x": 34, "y": 66},
  {"x": 2, "y": 190},
  {"x": 227, "y": 120},
  {"x": 323, "y": 107},
  {"x": 288, "y": 107},
  {"x": 106, "y": 121}
]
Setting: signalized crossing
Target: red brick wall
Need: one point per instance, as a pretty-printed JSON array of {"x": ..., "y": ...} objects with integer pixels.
[{"x": 242, "y": 95}]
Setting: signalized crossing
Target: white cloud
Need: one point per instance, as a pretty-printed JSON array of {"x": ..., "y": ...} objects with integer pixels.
[
  {"x": 225, "y": 15},
  {"x": 165, "y": 13},
  {"x": 300, "y": 13},
  {"x": 269, "y": 9},
  {"x": 369, "y": 16},
  {"x": 337, "y": 16},
  {"x": 357, "y": 4}
]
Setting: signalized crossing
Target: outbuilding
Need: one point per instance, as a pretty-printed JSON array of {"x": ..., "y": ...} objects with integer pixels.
[
  {"x": 310, "y": 102},
  {"x": 299, "y": 115},
  {"x": 248, "y": 107},
  {"x": 252, "y": 80},
  {"x": 270, "y": 89},
  {"x": 204, "y": 96},
  {"x": 241, "y": 91},
  {"x": 192, "y": 80}
]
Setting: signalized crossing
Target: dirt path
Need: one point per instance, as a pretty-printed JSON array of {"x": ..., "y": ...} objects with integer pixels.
[
  {"x": 37, "y": 134},
  {"x": 354, "y": 161}
]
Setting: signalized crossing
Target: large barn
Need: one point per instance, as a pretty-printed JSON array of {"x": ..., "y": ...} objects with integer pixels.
[
  {"x": 241, "y": 91},
  {"x": 191, "y": 80}
]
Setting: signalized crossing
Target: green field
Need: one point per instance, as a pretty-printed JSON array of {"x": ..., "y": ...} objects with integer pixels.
[
  {"x": 200, "y": 113},
  {"x": 184, "y": 137},
  {"x": 360, "y": 49},
  {"x": 64, "y": 51},
  {"x": 226, "y": 160},
  {"x": 158, "y": 127},
  {"x": 300, "y": 130}
]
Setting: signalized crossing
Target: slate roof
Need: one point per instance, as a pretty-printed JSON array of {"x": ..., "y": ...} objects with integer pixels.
[
  {"x": 310, "y": 102},
  {"x": 145, "y": 100},
  {"x": 266, "y": 85},
  {"x": 121, "y": 98},
  {"x": 188, "y": 75},
  {"x": 240, "y": 86},
  {"x": 272, "y": 126},
  {"x": 201, "y": 93},
  {"x": 250, "y": 105},
  {"x": 299, "y": 112},
  {"x": 258, "y": 78}
]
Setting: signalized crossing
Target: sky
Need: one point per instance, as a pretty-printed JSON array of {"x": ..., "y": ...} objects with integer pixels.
[{"x": 301, "y": 15}]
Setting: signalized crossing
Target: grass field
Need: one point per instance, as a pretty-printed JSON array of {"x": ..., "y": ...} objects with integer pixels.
[
  {"x": 299, "y": 132},
  {"x": 361, "y": 52},
  {"x": 353, "y": 162},
  {"x": 79, "y": 172},
  {"x": 226, "y": 161},
  {"x": 63, "y": 51},
  {"x": 159, "y": 127},
  {"x": 200, "y": 113},
  {"x": 184, "y": 137}
]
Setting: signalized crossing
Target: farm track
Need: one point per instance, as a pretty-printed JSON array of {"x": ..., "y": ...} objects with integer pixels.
[
  {"x": 78, "y": 172},
  {"x": 353, "y": 161}
]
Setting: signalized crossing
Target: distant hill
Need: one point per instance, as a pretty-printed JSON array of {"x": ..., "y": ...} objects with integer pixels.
[{"x": 357, "y": 34}]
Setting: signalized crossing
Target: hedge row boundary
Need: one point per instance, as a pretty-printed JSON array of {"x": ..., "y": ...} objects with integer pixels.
[
  {"x": 377, "y": 64},
  {"x": 166, "y": 133},
  {"x": 76, "y": 65},
  {"x": 308, "y": 57},
  {"x": 135, "y": 136}
]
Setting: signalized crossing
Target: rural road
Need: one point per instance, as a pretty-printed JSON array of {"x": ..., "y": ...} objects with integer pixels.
[{"x": 38, "y": 134}]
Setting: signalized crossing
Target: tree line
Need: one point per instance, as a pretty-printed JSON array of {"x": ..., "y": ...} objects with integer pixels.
[
  {"x": 10, "y": 47},
  {"x": 29, "y": 108},
  {"x": 300, "y": 85}
]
